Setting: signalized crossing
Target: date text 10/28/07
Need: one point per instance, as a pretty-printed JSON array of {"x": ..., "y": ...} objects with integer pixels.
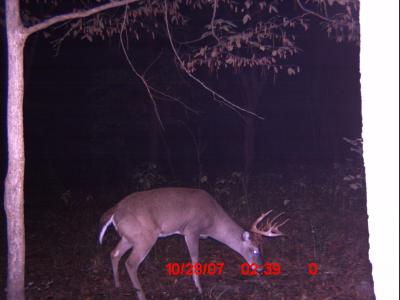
[
  {"x": 212, "y": 269},
  {"x": 188, "y": 269}
]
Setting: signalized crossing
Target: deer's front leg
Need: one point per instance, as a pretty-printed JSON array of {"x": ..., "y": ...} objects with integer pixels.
[{"x": 192, "y": 241}]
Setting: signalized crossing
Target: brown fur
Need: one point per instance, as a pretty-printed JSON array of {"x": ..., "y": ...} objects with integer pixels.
[{"x": 107, "y": 215}]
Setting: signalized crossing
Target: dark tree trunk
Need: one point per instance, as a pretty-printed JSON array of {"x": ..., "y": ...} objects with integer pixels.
[
  {"x": 252, "y": 89},
  {"x": 154, "y": 139},
  {"x": 14, "y": 183},
  {"x": 248, "y": 143}
]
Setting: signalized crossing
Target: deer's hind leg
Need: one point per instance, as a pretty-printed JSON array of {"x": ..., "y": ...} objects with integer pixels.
[
  {"x": 116, "y": 255},
  {"x": 141, "y": 246}
]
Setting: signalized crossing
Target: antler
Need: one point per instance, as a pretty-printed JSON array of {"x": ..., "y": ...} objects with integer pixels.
[{"x": 271, "y": 228}]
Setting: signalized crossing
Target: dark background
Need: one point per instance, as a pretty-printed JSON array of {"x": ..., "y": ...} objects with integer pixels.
[
  {"x": 89, "y": 121},
  {"x": 90, "y": 127}
]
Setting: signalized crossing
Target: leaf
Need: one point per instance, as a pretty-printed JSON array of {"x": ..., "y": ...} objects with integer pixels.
[
  {"x": 248, "y": 3},
  {"x": 262, "y": 5},
  {"x": 230, "y": 60},
  {"x": 291, "y": 71},
  {"x": 246, "y": 18},
  {"x": 214, "y": 53},
  {"x": 238, "y": 44},
  {"x": 88, "y": 37},
  {"x": 272, "y": 8},
  {"x": 355, "y": 186},
  {"x": 203, "y": 179}
]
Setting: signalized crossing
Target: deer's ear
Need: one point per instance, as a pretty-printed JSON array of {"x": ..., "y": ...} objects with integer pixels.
[{"x": 246, "y": 236}]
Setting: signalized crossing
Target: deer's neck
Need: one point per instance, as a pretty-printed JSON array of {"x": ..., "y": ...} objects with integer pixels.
[{"x": 229, "y": 233}]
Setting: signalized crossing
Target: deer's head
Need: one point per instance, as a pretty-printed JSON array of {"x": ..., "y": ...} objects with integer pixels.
[{"x": 251, "y": 240}]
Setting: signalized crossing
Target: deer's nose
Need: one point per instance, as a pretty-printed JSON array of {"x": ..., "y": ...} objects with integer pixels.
[
  {"x": 257, "y": 266},
  {"x": 260, "y": 268}
]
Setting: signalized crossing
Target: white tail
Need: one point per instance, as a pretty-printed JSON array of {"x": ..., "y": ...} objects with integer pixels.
[{"x": 141, "y": 218}]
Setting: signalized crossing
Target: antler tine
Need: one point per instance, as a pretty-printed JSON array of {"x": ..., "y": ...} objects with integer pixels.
[
  {"x": 277, "y": 216},
  {"x": 283, "y": 223},
  {"x": 258, "y": 220},
  {"x": 272, "y": 227}
]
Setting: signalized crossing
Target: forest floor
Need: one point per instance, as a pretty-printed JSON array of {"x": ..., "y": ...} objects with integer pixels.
[{"x": 328, "y": 226}]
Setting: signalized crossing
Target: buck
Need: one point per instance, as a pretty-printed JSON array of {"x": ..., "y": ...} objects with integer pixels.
[{"x": 142, "y": 217}]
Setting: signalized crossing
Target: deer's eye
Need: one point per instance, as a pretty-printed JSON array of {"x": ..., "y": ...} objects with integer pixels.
[{"x": 255, "y": 251}]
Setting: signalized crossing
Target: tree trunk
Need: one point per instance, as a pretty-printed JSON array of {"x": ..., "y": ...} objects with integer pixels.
[
  {"x": 14, "y": 183},
  {"x": 249, "y": 143},
  {"x": 154, "y": 139},
  {"x": 252, "y": 88}
]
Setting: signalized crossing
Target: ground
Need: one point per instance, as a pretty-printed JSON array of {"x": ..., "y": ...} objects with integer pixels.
[{"x": 328, "y": 226}]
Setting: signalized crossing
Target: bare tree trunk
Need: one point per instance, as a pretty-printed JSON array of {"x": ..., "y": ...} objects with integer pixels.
[{"x": 14, "y": 184}]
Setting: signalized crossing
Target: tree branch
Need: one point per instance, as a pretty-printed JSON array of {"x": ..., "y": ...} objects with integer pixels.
[
  {"x": 225, "y": 101},
  {"x": 137, "y": 73},
  {"x": 213, "y": 20},
  {"x": 75, "y": 15},
  {"x": 170, "y": 98},
  {"x": 303, "y": 8}
]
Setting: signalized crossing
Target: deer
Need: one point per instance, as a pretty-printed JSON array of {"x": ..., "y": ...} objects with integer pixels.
[{"x": 143, "y": 217}]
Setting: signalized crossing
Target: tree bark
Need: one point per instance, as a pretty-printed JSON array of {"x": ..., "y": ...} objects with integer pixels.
[
  {"x": 17, "y": 34},
  {"x": 14, "y": 183}
]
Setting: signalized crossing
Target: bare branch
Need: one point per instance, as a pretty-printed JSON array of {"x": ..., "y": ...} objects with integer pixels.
[
  {"x": 57, "y": 43},
  {"x": 192, "y": 41},
  {"x": 152, "y": 63},
  {"x": 123, "y": 27},
  {"x": 312, "y": 12},
  {"x": 75, "y": 15},
  {"x": 213, "y": 20},
  {"x": 225, "y": 101},
  {"x": 167, "y": 97}
]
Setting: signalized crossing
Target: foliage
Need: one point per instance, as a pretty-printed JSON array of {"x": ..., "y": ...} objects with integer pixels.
[
  {"x": 147, "y": 176},
  {"x": 225, "y": 186},
  {"x": 223, "y": 33},
  {"x": 356, "y": 145},
  {"x": 66, "y": 197},
  {"x": 356, "y": 180}
]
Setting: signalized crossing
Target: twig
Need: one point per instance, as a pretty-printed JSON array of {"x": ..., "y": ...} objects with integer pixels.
[
  {"x": 123, "y": 27},
  {"x": 225, "y": 101},
  {"x": 57, "y": 43},
  {"x": 152, "y": 63},
  {"x": 213, "y": 20},
  {"x": 312, "y": 12},
  {"x": 172, "y": 99},
  {"x": 314, "y": 240},
  {"x": 193, "y": 41}
]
